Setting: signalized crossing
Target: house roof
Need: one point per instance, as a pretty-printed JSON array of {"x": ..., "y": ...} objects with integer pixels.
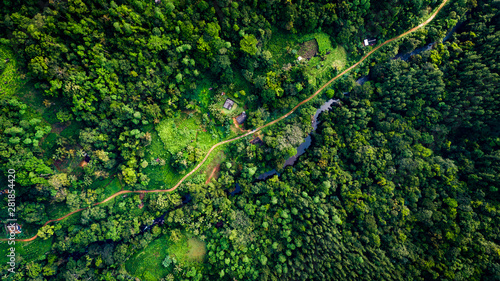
[
  {"x": 13, "y": 228},
  {"x": 256, "y": 140},
  {"x": 241, "y": 118},
  {"x": 369, "y": 41},
  {"x": 228, "y": 104}
]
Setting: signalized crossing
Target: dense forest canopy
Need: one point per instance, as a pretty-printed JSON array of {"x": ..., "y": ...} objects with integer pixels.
[{"x": 400, "y": 181}]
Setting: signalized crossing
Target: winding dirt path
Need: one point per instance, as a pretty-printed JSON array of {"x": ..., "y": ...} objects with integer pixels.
[{"x": 250, "y": 132}]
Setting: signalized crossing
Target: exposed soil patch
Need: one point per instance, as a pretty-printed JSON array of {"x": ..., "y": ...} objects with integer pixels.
[
  {"x": 214, "y": 171},
  {"x": 58, "y": 164},
  {"x": 238, "y": 126},
  {"x": 57, "y": 128},
  {"x": 83, "y": 164},
  {"x": 197, "y": 249},
  {"x": 308, "y": 49}
]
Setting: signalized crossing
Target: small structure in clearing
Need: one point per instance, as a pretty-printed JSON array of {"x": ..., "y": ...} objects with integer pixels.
[
  {"x": 241, "y": 118},
  {"x": 228, "y": 104},
  {"x": 257, "y": 140}
]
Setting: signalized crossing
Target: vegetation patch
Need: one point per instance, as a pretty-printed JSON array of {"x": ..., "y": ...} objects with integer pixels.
[
  {"x": 113, "y": 187},
  {"x": 219, "y": 157},
  {"x": 322, "y": 39},
  {"x": 177, "y": 133},
  {"x": 160, "y": 173},
  {"x": 166, "y": 255},
  {"x": 308, "y": 49},
  {"x": 149, "y": 260},
  {"x": 29, "y": 251},
  {"x": 326, "y": 66},
  {"x": 11, "y": 80},
  {"x": 197, "y": 250}
]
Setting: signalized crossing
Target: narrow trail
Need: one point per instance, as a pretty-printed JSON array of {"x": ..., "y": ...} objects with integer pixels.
[{"x": 250, "y": 132}]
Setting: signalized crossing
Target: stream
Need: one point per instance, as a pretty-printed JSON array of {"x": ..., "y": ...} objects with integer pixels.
[
  {"x": 161, "y": 219},
  {"x": 307, "y": 142},
  {"x": 327, "y": 105}
]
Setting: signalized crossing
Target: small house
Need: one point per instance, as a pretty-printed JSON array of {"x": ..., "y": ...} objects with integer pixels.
[
  {"x": 13, "y": 228},
  {"x": 369, "y": 42},
  {"x": 300, "y": 58},
  {"x": 228, "y": 104},
  {"x": 241, "y": 118},
  {"x": 257, "y": 140}
]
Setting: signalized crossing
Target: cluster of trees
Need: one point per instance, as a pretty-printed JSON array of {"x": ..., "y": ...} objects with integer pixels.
[{"x": 19, "y": 142}]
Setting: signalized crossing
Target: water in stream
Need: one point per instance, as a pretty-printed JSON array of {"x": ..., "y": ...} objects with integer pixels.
[{"x": 307, "y": 142}]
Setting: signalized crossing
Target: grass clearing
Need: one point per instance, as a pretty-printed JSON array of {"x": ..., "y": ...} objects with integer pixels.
[
  {"x": 325, "y": 69},
  {"x": 197, "y": 250},
  {"x": 287, "y": 47},
  {"x": 281, "y": 45},
  {"x": 177, "y": 133},
  {"x": 235, "y": 110},
  {"x": 149, "y": 260},
  {"x": 173, "y": 136},
  {"x": 147, "y": 264},
  {"x": 219, "y": 156},
  {"x": 160, "y": 176},
  {"x": 113, "y": 187}
]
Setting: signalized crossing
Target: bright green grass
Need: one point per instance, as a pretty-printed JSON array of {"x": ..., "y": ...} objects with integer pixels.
[
  {"x": 323, "y": 39},
  {"x": 29, "y": 251},
  {"x": 149, "y": 260},
  {"x": 203, "y": 94},
  {"x": 160, "y": 176},
  {"x": 112, "y": 187},
  {"x": 189, "y": 251},
  {"x": 177, "y": 133},
  {"x": 10, "y": 79},
  {"x": 280, "y": 41},
  {"x": 337, "y": 59},
  {"x": 202, "y": 170}
]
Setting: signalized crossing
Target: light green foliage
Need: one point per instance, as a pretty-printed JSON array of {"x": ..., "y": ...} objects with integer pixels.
[
  {"x": 11, "y": 79},
  {"x": 176, "y": 134},
  {"x": 249, "y": 44},
  {"x": 47, "y": 231}
]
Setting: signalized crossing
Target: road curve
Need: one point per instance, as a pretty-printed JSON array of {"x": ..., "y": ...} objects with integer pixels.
[{"x": 251, "y": 132}]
